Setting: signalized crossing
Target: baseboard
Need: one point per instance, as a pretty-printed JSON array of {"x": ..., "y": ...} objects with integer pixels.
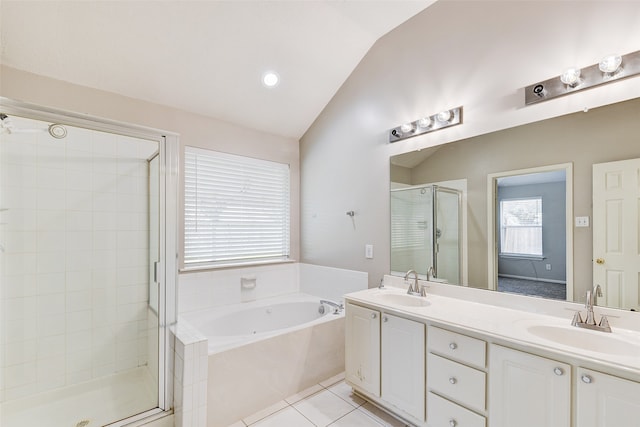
[{"x": 537, "y": 279}]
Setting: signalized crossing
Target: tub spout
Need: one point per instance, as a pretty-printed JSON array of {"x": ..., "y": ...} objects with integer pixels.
[{"x": 337, "y": 308}]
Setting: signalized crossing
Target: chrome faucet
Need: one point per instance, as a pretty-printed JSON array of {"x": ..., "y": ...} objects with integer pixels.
[
  {"x": 590, "y": 321},
  {"x": 597, "y": 293},
  {"x": 414, "y": 289},
  {"x": 336, "y": 307},
  {"x": 431, "y": 273}
]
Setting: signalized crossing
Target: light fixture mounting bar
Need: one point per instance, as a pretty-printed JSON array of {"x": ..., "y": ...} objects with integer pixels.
[
  {"x": 590, "y": 76},
  {"x": 435, "y": 122}
]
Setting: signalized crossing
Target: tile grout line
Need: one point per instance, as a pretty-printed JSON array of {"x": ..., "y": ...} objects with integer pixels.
[{"x": 322, "y": 388}]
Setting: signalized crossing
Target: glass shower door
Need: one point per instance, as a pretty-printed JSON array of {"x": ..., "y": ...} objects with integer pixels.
[
  {"x": 79, "y": 337},
  {"x": 447, "y": 234},
  {"x": 412, "y": 230}
]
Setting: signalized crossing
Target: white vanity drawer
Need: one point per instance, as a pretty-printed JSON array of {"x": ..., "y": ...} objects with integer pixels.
[
  {"x": 441, "y": 412},
  {"x": 455, "y": 346},
  {"x": 457, "y": 381}
]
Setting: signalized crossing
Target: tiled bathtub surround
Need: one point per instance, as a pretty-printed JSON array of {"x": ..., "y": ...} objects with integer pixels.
[
  {"x": 244, "y": 379},
  {"x": 74, "y": 235},
  {"x": 210, "y": 289},
  {"x": 190, "y": 376}
]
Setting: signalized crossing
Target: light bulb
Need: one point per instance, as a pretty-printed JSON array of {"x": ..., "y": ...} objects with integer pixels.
[
  {"x": 425, "y": 122},
  {"x": 406, "y": 128},
  {"x": 610, "y": 63},
  {"x": 270, "y": 79},
  {"x": 444, "y": 116},
  {"x": 571, "y": 76}
]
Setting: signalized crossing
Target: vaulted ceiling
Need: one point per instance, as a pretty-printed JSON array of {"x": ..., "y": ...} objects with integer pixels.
[{"x": 206, "y": 57}]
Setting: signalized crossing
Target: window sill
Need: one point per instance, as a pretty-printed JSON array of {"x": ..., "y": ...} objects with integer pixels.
[
  {"x": 210, "y": 267},
  {"x": 525, "y": 257}
]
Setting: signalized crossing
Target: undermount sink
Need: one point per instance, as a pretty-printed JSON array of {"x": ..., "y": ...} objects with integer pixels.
[
  {"x": 600, "y": 342},
  {"x": 402, "y": 299}
]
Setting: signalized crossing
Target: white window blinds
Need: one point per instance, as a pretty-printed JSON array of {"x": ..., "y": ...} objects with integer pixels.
[
  {"x": 236, "y": 209},
  {"x": 521, "y": 226}
]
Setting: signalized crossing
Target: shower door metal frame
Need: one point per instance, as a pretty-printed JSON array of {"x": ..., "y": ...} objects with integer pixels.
[
  {"x": 168, "y": 144},
  {"x": 434, "y": 206}
]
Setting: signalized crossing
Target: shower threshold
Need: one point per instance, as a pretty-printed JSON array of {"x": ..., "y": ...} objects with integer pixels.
[{"x": 93, "y": 403}]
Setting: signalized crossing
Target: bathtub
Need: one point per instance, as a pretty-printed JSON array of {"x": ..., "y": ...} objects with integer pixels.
[{"x": 265, "y": 351}]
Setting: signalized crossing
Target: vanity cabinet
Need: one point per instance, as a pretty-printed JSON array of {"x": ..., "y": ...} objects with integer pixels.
[
  {"x": 431, "y": 369},
  {"x": 362, "y": 349},
  {"x": 604, "y": 400},
  {"x": 385, "y": 358},
  {"x": 526, "y": 390},
  {"x": 403, "y": 364},
  {"x": 456, "y": 379}
]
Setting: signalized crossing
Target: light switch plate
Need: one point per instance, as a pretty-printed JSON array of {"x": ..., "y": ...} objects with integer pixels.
[{"x": 368, "y": 251}]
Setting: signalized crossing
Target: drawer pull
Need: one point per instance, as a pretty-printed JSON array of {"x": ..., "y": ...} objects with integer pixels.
[
  {"x": 453, "y": 380},
  {"x": 385, "y": 319},
  {"x": 587, "y": 379},
  {"x": 558, "y": 371},
  {"x": 453, "y": 346},
  {"x": 453, "y": 422},
  {"x": 373, "y": 315}
]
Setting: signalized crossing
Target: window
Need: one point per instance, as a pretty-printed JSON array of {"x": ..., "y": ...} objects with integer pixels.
[
  {"x": 236, "y": 209},
  {"x": 521, "y": 227}
]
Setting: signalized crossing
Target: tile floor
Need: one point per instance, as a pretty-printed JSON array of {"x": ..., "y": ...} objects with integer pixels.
[{"x": 330, "y": 403}]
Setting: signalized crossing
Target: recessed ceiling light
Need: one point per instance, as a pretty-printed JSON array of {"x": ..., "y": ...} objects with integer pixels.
[{"x": 270, "y": 79}]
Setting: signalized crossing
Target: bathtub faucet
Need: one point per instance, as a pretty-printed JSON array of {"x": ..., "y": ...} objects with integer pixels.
[{"x": 336, "y": 307}]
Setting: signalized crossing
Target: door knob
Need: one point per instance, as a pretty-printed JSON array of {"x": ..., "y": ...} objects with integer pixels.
[{"x": 600, "y": 261}]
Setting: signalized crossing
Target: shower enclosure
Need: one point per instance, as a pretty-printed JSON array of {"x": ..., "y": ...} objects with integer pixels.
[
  {"x": 85, "y": 282},
  {"x": 425, "y": 232}
]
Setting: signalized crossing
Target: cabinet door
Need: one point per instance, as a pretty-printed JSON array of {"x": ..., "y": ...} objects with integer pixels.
[
  {"x": 403, "y": 364},
  {"x": 362, "y": 348},
  {"x": 527, "y": 390},
  {"x": 605, "y": 401}
]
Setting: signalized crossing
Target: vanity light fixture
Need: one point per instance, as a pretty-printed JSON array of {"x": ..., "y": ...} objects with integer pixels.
[
  {"x": 427, "y": 124},
  {"x": 574, "y": 79}
]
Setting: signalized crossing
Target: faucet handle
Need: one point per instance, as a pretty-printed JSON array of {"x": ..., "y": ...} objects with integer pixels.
[
  {"x": 604, "y": 324},
  {"x": 576, "y": 319}
]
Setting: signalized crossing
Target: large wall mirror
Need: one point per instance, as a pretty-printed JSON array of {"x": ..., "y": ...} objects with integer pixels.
[{"x": 545, "y": 209}]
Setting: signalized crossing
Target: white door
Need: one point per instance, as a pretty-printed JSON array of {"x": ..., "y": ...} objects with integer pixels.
[
  {"x": 403, "y": 364},
  {"x": 606, "y": 401},
  {"x": 616, "y": 226},
  {"x": 527, "y": 390},
  {"x": 362, "y": 348}
]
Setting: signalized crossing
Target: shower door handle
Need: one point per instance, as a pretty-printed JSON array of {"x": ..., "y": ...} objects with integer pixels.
[{"x": 155, "y": 271}]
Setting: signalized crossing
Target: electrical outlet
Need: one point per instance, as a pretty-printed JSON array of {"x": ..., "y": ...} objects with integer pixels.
[
  {"x": 582, "y": 221},
  {"x": 548, "y": 267}
]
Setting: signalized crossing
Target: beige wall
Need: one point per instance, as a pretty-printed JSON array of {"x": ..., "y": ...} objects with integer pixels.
[
  {"x": 478, "y": 54},
  {"x": 195, "y": 130},
  {"x": 602, "y": 135}
]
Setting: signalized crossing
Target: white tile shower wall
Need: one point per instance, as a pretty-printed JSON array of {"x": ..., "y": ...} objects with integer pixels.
[
  {"x": 331, "y": 283},
  {"x": 208, "y": 289},
  {"x": 190, "y": 376},
  {"x": 74, "y": 233}
]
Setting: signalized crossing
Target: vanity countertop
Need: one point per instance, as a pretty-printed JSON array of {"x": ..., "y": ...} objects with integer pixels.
[{"x": 619, "y": 350}]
